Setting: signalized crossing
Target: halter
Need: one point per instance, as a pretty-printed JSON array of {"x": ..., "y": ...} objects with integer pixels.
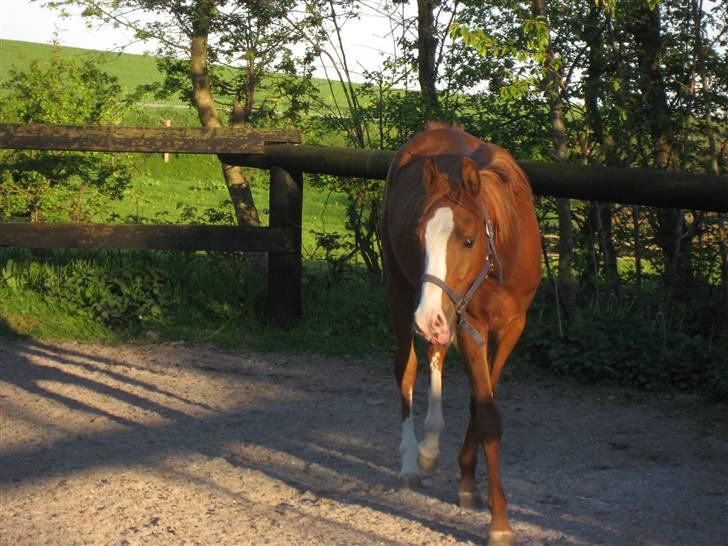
[{"x": 461, "y": 302}]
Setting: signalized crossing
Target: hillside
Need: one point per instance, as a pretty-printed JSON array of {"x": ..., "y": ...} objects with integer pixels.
[{"x": 132, "y": 70}]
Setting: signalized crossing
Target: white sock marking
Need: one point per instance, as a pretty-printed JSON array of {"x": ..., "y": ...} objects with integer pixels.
[
  {"x": 434, "y": 422},
  {"x": 408, "y": 448}
]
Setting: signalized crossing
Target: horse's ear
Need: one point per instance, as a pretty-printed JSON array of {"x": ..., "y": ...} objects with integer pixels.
[
  {"x": 431, "y": 177},
  {"x": 471, "y": 177}
]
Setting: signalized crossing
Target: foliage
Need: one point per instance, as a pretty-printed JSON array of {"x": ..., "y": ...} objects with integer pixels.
[
  {"x": 615, "y": 345},
  {"x": 124, "y": 295},
  {"x": 61, "y": 185},
  {"x": 128, "y": 291}
]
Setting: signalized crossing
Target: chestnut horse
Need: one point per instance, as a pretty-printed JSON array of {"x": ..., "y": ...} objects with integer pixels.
[{"x": 462, "y": 259}]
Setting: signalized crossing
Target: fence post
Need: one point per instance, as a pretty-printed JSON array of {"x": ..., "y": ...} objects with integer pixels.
[
  {"x": 167, "y": 123},
  {"x": 284, "y": 270}
]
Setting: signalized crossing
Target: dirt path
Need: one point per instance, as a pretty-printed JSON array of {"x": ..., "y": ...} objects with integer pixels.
[{"x": 179, "y": 444}]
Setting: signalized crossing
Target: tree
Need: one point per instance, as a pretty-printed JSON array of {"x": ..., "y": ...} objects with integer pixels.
[
  {"x": 551, "y": 84},
  {"x": 426, "y": 58},
  {"x": 217, "y": 53},
  {"x": 53, "y": 185}
]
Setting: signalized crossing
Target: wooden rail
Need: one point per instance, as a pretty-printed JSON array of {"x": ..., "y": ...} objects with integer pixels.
[
  {"x": 264, "y": 148},
  {"x": 278, "y": 240},
  {"x": 631, "y": 186},
  {"x": 98, "y": 138}
]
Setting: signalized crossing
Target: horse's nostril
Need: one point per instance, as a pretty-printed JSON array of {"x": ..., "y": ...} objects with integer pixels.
[{"x": 439, "y": 321}]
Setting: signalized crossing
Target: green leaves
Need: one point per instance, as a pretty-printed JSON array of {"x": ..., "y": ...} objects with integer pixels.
[
  {"x": 615, "y": 346},
  {"x": 52, "y": 185},
  {"x": 9, "y": 276},
  {"x": 526, "y": 51}
]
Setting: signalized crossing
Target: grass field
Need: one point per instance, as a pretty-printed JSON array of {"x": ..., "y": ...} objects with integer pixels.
[
  {"x": 132, "y": 70},
  {"x": 163, "y": 191},
  {"x": 193, "y": 183}
]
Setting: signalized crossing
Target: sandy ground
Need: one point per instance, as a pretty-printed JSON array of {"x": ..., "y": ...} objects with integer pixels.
[{"x": 181, "y": 444}]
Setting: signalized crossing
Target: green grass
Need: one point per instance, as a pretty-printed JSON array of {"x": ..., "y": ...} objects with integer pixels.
[
  {"x": 162, "y": 191},
  {"x": 29, "y": 313},
  {"x": 132, "y": 70},
  {"x": 218, "y": 298}
]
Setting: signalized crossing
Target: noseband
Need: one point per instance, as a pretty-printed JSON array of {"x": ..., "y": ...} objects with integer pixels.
[{"x": 461, "y": 302}]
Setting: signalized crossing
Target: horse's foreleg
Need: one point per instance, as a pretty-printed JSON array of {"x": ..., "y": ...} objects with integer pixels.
[
  {"x": 500, "y": 530},
  {"x": 401, "y": 303},
  {"x": 488, "y": 430},
  {"x": 503, "y": 343},
  {"x": 468, "y": 496},
  {"x": 429, "y": 449},
  {"x": 406, "y": 371}
]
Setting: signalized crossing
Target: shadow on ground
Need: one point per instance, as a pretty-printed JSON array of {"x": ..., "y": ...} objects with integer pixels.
[{"x": 225, "y": 447}]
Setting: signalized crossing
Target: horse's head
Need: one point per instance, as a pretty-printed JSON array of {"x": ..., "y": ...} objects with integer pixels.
[{"x": 453, "y": 237}]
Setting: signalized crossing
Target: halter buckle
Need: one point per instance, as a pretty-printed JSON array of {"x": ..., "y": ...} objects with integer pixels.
[
  {"x": 489, "y": 230},
  {"x": 460, "y": 308}
]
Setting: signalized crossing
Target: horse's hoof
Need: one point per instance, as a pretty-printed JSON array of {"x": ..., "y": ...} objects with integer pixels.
[
  {"x": 470, "y": 500},
  {"x": 426, "y": 464},
  {"x": 501, "y": 538},
  {"x": 407, "y": 482}
]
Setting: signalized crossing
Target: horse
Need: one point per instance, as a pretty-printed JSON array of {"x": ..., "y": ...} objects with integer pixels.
[{"x": 461, "y": 252}]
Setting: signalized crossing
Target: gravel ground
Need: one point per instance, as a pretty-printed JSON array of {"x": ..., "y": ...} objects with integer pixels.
[{"x": 187, "y": 444}]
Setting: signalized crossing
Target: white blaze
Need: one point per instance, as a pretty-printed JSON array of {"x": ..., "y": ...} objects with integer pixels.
[{"x": 437, "y": 233}]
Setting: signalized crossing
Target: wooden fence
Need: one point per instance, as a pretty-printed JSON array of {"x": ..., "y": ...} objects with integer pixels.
[
  {"x": 280, "y": 152},
  {"x": 281, "y": 240}
]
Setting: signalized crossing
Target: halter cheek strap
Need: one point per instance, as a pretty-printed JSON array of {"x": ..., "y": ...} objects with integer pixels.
[{"x": 461, "y": 302}]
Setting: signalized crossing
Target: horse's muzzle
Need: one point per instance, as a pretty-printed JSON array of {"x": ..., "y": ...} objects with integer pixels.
[{"x": 436, "y": 328}]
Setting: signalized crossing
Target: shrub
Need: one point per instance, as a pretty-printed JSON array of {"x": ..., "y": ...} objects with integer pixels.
[{"x": 59, "y": 185}]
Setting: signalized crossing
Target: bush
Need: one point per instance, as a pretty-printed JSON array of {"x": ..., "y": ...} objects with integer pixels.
[
  {"x": 617, "y": 346},
  {"x": 130, "y": 291},
  {"x": 59, "y": 185}
]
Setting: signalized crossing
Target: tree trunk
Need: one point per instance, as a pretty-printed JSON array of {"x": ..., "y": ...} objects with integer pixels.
[
  {"x": 552, "y": 88},
  {"x": 599, "y": 213},
  {"x": 237, "y": 185},
  {"x": 637, "y": 258},
  {"x": 646, "y": 28},
  {"x": 427, "y": 50},
  {"x": 595, "y": 72},
  {"x": 713, "y": 153}
]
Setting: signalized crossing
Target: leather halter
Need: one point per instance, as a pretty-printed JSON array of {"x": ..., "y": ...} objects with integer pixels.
[{"x": 461, "y": 302}]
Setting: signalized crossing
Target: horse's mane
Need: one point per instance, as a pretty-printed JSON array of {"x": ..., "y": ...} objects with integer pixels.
[
  {"x": 432, "y": 124},
  {"x": 505, "y": 190}
]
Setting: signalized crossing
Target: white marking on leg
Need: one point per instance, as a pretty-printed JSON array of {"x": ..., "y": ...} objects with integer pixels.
[
  {"x": 434, "y": 421},
  {"x": 437, "y": 233},
  {"x": 408, "y": 448}
]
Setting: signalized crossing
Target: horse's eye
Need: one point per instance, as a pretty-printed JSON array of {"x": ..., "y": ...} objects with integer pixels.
[{"x": 468, "y": 242}]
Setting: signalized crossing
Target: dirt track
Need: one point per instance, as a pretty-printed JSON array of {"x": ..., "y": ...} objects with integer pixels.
[{"x": 179, "y": 444}]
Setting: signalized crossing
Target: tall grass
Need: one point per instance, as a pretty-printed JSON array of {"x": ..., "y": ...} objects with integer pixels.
[{"x": 212, "y": 297}]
